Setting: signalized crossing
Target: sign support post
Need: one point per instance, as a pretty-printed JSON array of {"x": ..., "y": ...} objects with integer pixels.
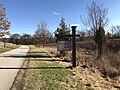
[{"x": 74, "y": 46}]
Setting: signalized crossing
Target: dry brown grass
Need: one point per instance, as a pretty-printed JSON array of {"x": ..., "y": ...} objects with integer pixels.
[
  {"x": 86, "y": 56},
  {"x": 109, "y": 66}
]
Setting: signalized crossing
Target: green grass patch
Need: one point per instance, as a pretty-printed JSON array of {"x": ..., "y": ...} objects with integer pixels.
[
  {"x": 4, "y": 49},
  {"x": 47, "y": 78},
  {"x": 51, "y": 75}
]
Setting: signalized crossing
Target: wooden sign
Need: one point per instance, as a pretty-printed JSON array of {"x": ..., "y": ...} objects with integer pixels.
[{"x": 64, "y": 45}]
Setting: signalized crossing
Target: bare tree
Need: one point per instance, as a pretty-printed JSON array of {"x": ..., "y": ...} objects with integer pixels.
[
  {"x": 115, "y": 31},
  {"x": 108, "y": 35},
  {"x": 15, "y": 38},
  {"x": 4, "y": 23},
  {"x": 118, "y": 30},
  {"x": 82, "y": 33},
  {"x": 94, "y": 13},
  {"x": 42, "y": 33},
  {"x": 96, "y": 21},
  {"x": 26, "y": 39}
]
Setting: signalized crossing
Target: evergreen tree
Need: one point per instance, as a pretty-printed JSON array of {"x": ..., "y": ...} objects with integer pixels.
[
  {"x": 100, "y": 41},
  {"x": 62, "y": 29}
]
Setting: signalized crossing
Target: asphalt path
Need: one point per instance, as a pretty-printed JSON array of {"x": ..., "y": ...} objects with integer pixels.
[{"x": 10, "y": 62}]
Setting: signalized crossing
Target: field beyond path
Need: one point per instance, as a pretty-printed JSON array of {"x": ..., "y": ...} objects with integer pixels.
[{"x": 10, "y": 63}]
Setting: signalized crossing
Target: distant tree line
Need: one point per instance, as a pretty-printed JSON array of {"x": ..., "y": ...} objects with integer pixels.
[
  {"x": 25, "y": 39},
  {"x": 113, "y": 33},
  {"x": 38, "y": 39}
]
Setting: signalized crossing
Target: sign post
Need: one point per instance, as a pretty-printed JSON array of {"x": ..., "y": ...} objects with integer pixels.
[
  {"x": 63, "y": 45},
  {"x": 74, "y": 46}
]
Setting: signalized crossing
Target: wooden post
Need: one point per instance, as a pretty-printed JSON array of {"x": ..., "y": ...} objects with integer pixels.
[{"x": 73, "y": 46}]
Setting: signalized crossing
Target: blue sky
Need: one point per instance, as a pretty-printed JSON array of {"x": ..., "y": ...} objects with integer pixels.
[{"x": 25, "y": 15}]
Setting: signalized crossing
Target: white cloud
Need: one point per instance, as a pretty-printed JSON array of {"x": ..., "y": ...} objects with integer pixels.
[
  {"x": 75, "y": 25},
  {"x": 56, "y": 13}
]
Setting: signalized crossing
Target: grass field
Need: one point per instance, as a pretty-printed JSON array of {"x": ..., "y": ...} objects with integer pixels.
[
  {"x": 45, "y": 73},
  {"x": 4, "y": 49}
]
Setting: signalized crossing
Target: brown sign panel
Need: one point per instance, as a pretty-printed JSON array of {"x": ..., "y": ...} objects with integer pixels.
[{"x": 64, "y": 45}]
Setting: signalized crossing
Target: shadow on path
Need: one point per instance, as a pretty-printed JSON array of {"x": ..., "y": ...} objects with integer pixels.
[
  {"x": 40, "y": 56},
  {"x": 52, "y": 60},
  {"x": 29, "y": 56},
  {"x": 36, "y": 67}
]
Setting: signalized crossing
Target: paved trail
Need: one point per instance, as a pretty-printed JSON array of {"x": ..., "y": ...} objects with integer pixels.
[{"x": 11, "y": 59}]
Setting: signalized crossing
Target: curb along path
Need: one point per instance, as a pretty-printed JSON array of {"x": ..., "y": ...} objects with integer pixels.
[{"x": 10, "y": 62}]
